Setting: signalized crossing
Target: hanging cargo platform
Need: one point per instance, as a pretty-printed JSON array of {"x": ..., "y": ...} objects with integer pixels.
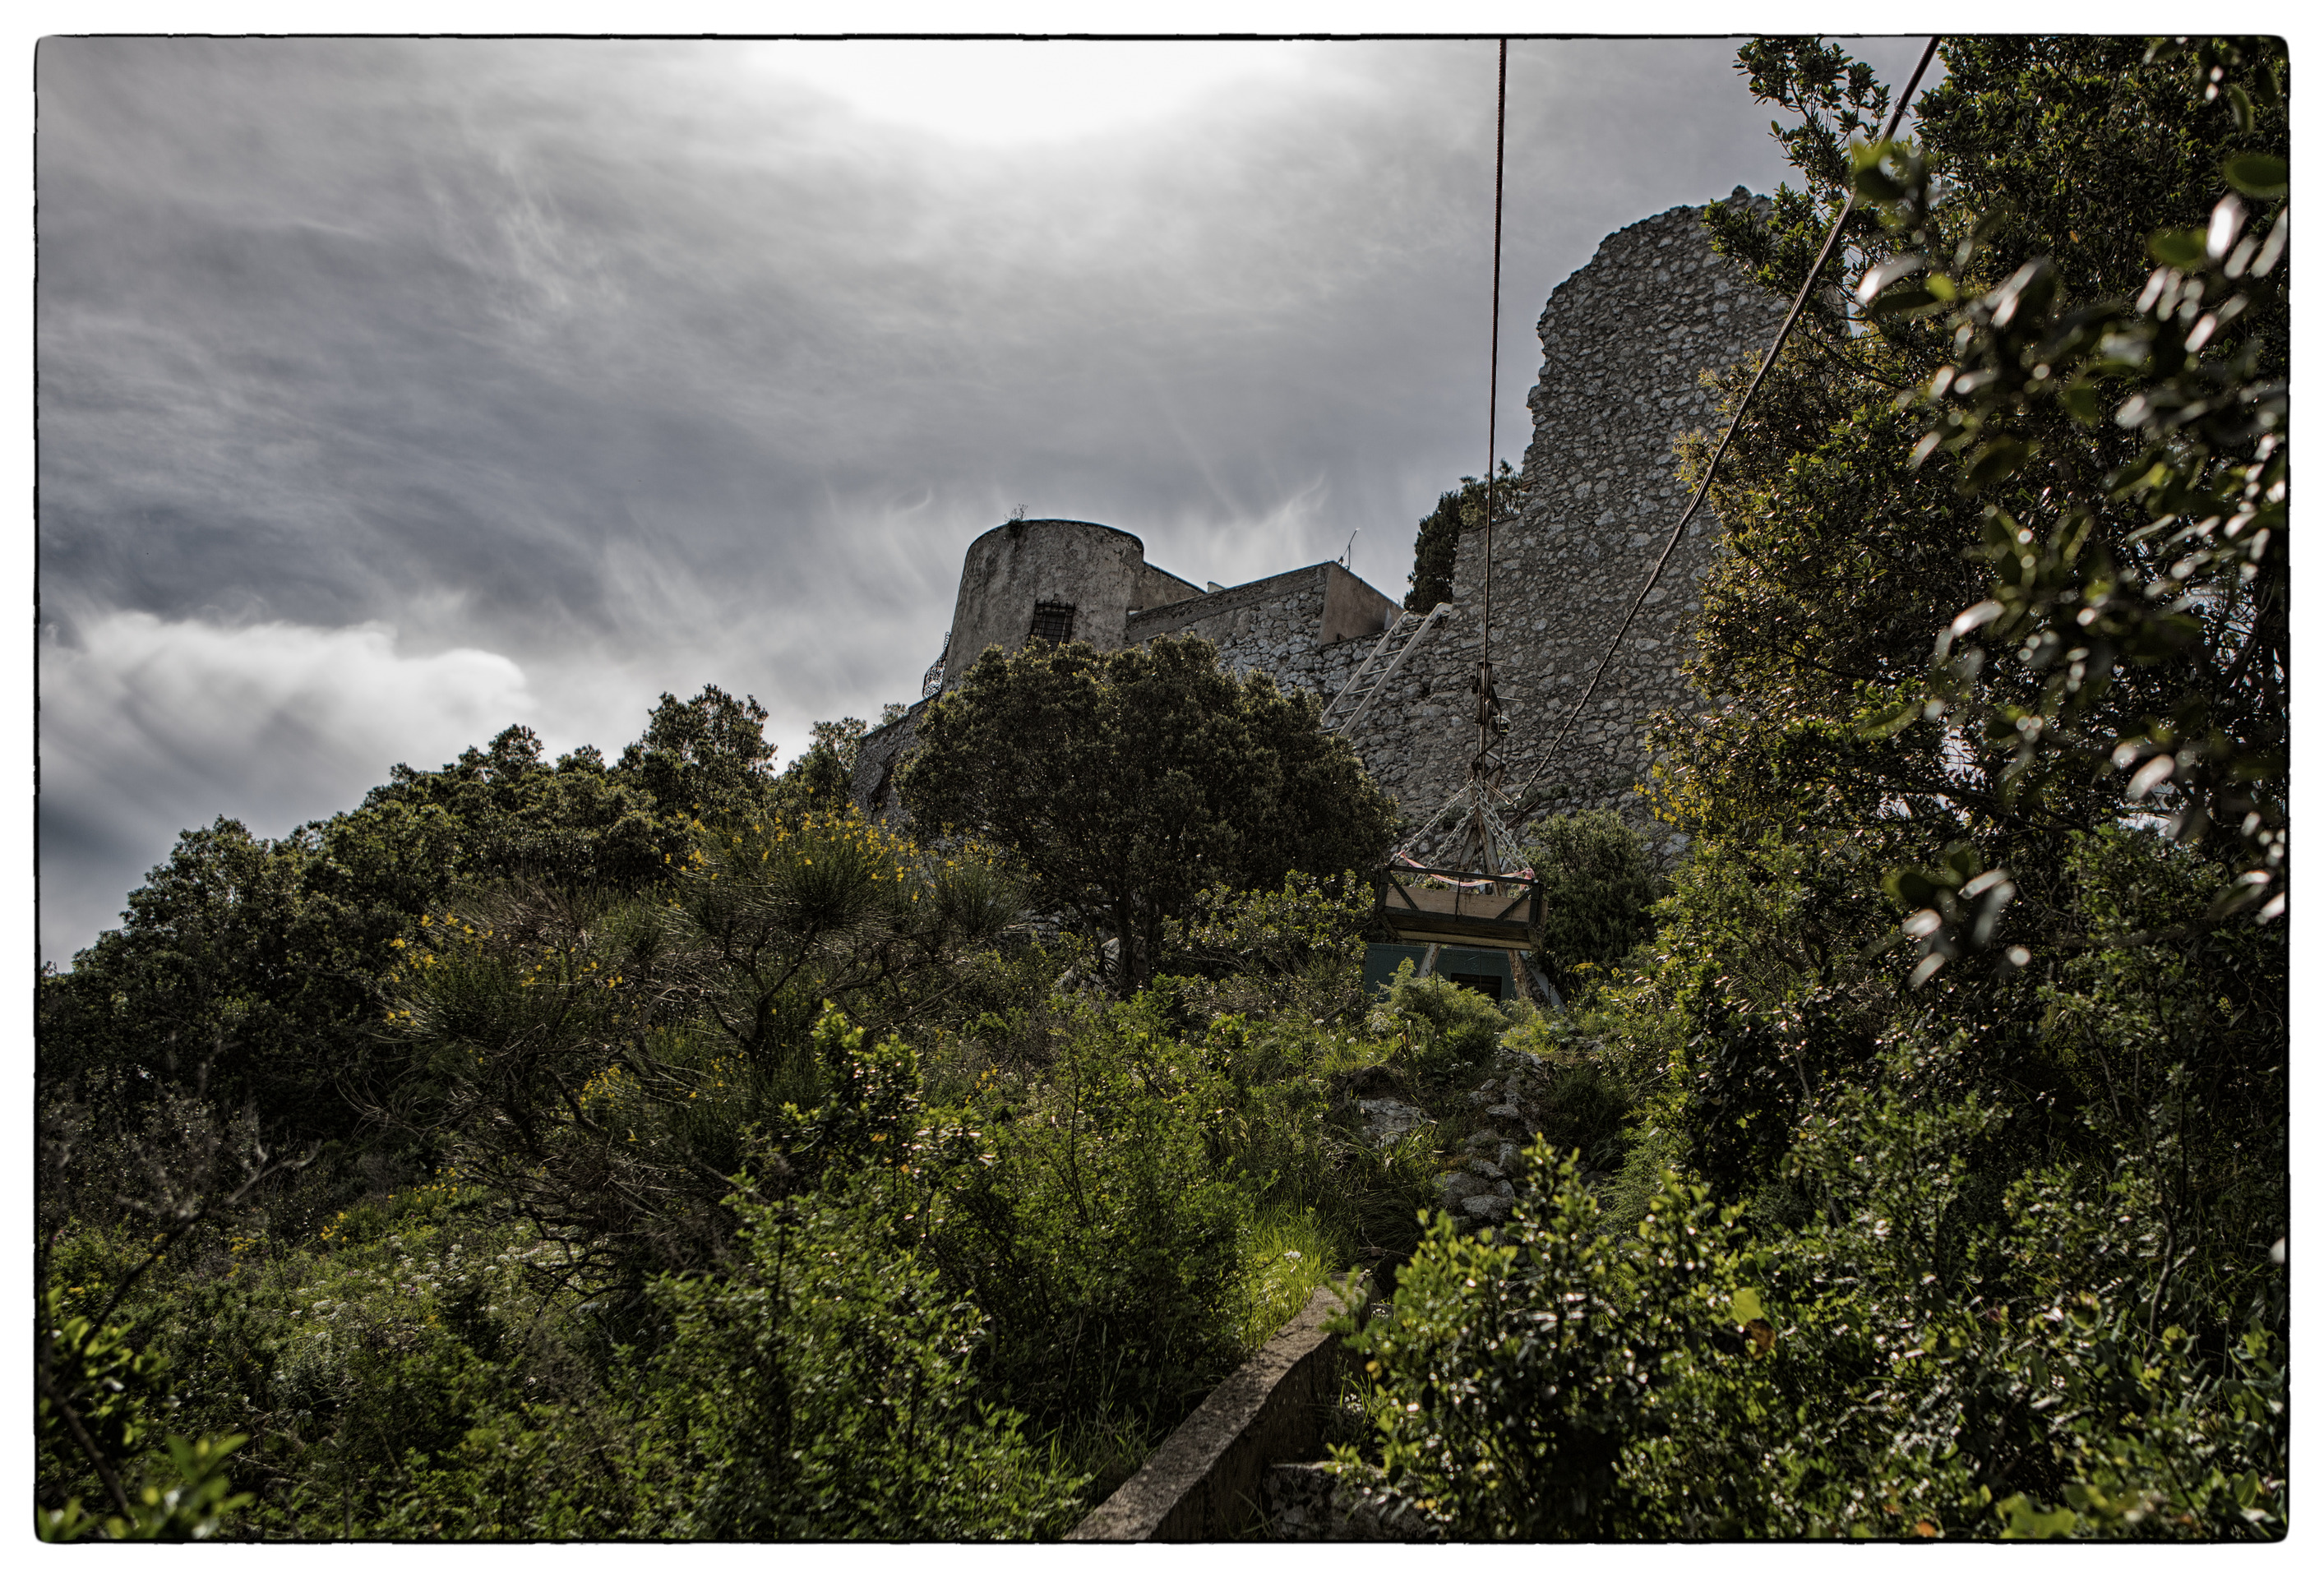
[{"x": 1426, "y": 904}]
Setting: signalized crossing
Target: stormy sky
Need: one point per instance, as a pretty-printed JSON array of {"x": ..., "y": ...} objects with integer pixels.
[{"x": 392, "y": 391}]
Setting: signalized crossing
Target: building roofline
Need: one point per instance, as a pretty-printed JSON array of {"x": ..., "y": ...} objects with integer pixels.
[{"x": 1018, "y": 526}]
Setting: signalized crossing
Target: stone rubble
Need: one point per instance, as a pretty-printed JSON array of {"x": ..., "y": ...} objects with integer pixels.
[
  {"x": 1479, "y": 1190},
  {"x": 1312, "y": 1502}
]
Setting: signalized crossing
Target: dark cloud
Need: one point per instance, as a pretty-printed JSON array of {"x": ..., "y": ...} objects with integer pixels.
[{"x": 640, "y": 365}]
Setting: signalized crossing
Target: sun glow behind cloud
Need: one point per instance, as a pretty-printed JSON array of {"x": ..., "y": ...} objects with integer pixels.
[{"x": 1008, "y": 91}]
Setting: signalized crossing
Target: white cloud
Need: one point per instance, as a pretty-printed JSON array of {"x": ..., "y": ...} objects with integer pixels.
[
  {"x": 1010, "y": 91},
  {"x": 150, "y": 726}
]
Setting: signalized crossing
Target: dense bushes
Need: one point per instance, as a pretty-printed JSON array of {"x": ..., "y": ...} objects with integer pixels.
[
  {"x": 1913, "y": 1360},
  {"x": 650, "y": 1238},
  {"x": 1597, "y": 885},
  {"x": 826, "y": 1386}
]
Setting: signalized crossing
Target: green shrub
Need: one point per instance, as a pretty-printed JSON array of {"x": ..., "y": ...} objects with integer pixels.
[
  {"x": 1440, "y": 1027},
  {"x": 1516, "y": 1365},
  {"x": 1090, "y": 1226},
  {"x": 1908, "y": 1362},
  {"x": 823, "y": 1391},
  {"x": 1597, "y": 887},
  {"x": 99, "y": 1465},
  {"x": 1586, "y": 1111}
]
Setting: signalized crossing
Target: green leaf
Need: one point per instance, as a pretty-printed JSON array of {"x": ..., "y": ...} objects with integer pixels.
[
  {"x": 2081, "y": 402},
  {"x": 1909, "y": 887},
  {"x": 1890, "y": 720},
  {"x": 1747, "y": 1306},
  {"x": 1873, "y": 185},
  {"x": 2181, "y": 249},
  {"x": 2024, "y": 1519},
  {"x": 2255, "y": 175},
  {"x": 1998, "y": 460},
  {"x": 1904, "y": 299}
]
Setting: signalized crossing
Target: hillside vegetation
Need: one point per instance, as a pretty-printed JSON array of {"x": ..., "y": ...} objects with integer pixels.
[
  {"x": 1955, "y": 1189},
  {"x": 654, "y": 1148}
]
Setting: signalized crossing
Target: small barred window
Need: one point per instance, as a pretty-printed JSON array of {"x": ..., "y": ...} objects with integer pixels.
[{"x": 1053, "y": 621}]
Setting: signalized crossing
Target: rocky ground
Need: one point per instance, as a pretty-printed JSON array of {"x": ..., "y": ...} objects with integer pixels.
[{"x": 1492, "y": 1121}]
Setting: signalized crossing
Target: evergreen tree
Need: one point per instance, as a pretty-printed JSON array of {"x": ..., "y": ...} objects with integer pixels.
[
  {"x": 1461, "y": 510},
  {"x": 1129, "y": 782}
]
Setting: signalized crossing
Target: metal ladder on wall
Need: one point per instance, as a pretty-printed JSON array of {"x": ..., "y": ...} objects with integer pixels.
[{"x": 1348, "y": 708}]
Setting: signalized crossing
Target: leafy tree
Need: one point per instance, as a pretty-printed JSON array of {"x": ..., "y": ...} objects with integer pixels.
[
  {"x": 1461, "y": 510},
  {"x": 494, "y": 814},
  {"x": 2151, "y": 621},
  {"x": 1866, "y": 715},
  {"x": 1129, "y": 782},
  {"x": 229, "y": 974},
  {"x": 1851, "y": 553},
  {"x": 1597, "y": 884},
  {"x": 818, "y": 778},
  {"x": 703, "y": 757},
  {"x": 608, "y": 1062}
]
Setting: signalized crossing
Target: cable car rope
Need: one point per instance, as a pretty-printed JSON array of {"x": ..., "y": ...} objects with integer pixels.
[{"x": 1493, "y": 376}]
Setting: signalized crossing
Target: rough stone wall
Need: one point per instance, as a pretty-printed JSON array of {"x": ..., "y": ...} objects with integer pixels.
[
  {"x": 1624, "y": 341},
  {"x": 1309, "y": 627},
  {"x": 1156, "y": 586},
  {"x": 879, "y": 757}
]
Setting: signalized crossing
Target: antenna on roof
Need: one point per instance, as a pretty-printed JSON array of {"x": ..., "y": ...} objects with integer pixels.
[{"x": 1348, "y": 555}]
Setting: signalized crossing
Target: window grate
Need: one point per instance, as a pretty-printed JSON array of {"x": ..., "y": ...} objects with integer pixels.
[{"x": 1051, "y": 621}]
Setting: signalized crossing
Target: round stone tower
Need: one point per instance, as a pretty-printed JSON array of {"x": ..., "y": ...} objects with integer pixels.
[{"x": 1061, "y": 580}]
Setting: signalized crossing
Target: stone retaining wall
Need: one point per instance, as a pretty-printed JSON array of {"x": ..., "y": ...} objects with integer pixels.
[{"x": 1203, "y": 1483}]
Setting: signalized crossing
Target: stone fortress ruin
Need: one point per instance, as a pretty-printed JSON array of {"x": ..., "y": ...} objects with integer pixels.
[{"x": 1626, "y": 341}]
